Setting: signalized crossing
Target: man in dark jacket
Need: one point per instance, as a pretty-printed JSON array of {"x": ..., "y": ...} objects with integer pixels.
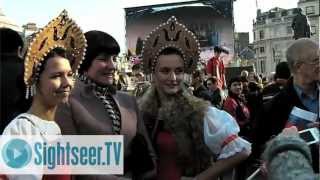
[
  {"x": 11, "y": 68},
  {"x": 216, "y": 96},
  {"x": 200, "y": 90},
  {"x": 280, "y": 80},
  {"x": 297, "y": 104}
]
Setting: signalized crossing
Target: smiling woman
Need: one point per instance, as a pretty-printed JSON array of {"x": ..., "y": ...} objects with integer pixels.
[
  {"x": 52, "y": 58},
  {"x": 95, "y": 107},
  {"x": 186, "y": 131},
  {"x": 169, "y": 71},
  {"x": 55, "y": 80}
]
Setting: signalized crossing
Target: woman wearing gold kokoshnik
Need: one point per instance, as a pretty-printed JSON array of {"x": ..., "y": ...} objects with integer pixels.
[
  {"x": 186, "y": 131},
  {"x": 52, "y": 60}
]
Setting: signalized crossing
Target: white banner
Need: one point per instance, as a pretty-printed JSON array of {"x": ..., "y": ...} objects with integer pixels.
[{"x": 63, "y": 154}]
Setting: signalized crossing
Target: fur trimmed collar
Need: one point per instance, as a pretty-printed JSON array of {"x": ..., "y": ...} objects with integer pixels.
[
  {"x": 150, "y": 103},
  {"x": 183, "y": 117}
]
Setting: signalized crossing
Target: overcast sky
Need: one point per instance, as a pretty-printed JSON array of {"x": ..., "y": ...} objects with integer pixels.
[{"x": 108, "y": 15}]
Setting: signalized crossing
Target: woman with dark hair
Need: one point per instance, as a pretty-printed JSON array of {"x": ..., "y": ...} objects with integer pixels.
[
  {"x": 48, "y": 76},
  {"x": 99, "y": 42},
  {"x": 235, "y": 104},
  {"x": 186, "y": 131},
  {"x": 95, "y": 107}
]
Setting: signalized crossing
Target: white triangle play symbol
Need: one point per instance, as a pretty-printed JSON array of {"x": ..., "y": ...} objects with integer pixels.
[{"x": 16, "y": 153}]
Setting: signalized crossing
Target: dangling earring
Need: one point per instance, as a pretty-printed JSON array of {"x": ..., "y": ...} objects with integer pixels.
[
  {"x": 27, "y": 92},
  {"x": 33, "y": 89},
  {"x": 30, "y": 91}
]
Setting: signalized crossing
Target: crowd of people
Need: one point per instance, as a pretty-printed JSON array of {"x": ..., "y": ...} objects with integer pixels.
[{"x": 180, "y": 121}]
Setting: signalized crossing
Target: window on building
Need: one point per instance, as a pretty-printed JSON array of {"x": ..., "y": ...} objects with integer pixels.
[
  {"x": 276, "y": 20},
  {"x": 274, "y": 53},
  {"x": 284, "y": 13},
  {"x": 261, "y": 49},
  {"x": 310, "y": 10},
  {"x": 289, "y": 30},
  {"x": 276, "y": 31},
  {"x": 255, "y": 65},
  {"x": 261, "y": 34},
  {"x": 313, "y": 30},
  {"x": 272, "y": 15},
  {"x": 263, "y": 66},
  {"x": 288, "y": 19}
]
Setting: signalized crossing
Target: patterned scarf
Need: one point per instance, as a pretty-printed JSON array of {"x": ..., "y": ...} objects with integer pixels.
[{"x": 104, "y": 94}]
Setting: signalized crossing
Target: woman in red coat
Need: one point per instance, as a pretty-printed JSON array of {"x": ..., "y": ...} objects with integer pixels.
[{"x": 235, "y": 105}]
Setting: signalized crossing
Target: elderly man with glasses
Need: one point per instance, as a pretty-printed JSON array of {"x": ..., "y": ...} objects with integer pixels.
[{"x": 298, "y": 103}]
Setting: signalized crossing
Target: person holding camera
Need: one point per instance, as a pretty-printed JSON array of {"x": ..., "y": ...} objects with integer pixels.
[{"x": 288, "y": 157}]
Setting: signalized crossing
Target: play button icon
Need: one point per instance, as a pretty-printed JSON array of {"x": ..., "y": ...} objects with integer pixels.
[{"x": 16, "y": 153}]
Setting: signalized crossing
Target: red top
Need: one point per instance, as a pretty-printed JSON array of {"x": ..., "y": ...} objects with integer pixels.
[
  {"x": 56, "y": 177},
  {"x": 215, "y": 67},
  {"x": 231, "y": 105},
  {"x": 167, "y": 151}
]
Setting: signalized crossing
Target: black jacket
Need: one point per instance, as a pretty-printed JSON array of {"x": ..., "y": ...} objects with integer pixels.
[
  {"x": 275, "y": 113},
  {"x": 11, "y": 89},
  {"x": 274, "y": 116}
]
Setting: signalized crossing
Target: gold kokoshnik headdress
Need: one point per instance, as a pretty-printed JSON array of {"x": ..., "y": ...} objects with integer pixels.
[
  {"x": 61, "y": 32},
  {"x": 175, "y": 35}
]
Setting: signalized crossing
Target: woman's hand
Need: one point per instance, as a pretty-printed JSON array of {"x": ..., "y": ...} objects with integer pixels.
[{"x": 290, "y": 131}]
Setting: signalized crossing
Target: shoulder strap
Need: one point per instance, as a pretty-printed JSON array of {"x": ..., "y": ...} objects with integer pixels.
[{"x": 33, "y": 124}]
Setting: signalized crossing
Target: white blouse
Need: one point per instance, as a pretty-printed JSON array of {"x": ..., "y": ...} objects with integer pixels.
[
  {"x": 221, "y": 134},
  {"x": 28, "y": 124}
]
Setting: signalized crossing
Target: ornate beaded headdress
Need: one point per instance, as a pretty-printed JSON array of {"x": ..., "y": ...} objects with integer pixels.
[
  {"x": 61, "y": 32},
  {"x": 171, "y": 34}
]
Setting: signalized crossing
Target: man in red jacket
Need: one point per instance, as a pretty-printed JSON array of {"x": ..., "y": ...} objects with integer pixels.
[{"x": 215, "y": 67}]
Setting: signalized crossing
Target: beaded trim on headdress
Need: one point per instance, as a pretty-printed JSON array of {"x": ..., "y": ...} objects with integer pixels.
[
  {"x": 61, "y": 32},
  {"x": 171, "y": 34}
]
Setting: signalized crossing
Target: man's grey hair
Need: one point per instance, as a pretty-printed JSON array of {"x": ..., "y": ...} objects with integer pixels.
[{"x": 300, "y": 50}]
